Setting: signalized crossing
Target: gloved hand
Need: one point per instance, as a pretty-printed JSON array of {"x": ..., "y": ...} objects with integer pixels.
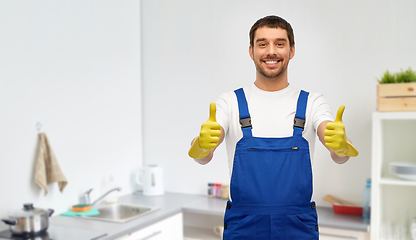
[
  {"x": 336, "y": 138},
  {"x": 208, "y": 137}
]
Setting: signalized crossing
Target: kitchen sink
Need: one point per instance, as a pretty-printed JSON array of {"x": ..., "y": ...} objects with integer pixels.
[{"x": 121, "y": 213}]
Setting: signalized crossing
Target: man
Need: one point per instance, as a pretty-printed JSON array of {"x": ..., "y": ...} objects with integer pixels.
[{"x": 270, "y": 129}]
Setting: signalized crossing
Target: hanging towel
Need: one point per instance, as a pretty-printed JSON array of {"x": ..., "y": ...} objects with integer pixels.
[{"x": 47, "y": 167}]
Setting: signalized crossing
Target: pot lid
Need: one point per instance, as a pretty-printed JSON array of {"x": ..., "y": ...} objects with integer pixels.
[{"x": 27, "y": 211}]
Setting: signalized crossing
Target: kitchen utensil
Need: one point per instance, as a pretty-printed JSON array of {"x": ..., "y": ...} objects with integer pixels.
[
  {"x": 29, "y": 220},
  {"x": 345, "y": 209},
  {"x": 404, "y": 170},
  {"x": 7, "y": 234},
  {"x": 329, "y": 198},
  {"x": 151, "y": 179},
  {"x": 339, "y": 201}
]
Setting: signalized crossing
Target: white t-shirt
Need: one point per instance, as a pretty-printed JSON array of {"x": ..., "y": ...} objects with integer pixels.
[{"x": 272, "y": 115}]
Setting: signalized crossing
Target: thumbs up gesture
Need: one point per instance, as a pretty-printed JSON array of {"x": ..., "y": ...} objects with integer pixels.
[
  {"x": 208, "y": 137},
  {"x": 210, "y": 130},
  {"x": 336, "y": 138}
]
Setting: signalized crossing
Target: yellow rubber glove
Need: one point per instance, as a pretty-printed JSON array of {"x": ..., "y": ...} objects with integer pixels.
[
  {"x": 336, "y": 138},
  {"x": 208, "y": 137}
]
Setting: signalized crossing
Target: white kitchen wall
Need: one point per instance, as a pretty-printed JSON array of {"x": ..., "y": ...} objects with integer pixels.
[
  {"x": 194, "y": 50},
  {"x": 74, "y": 66}
]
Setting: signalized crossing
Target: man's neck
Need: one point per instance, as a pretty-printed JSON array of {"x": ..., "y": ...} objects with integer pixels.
[{"x": 271, "y": 84}]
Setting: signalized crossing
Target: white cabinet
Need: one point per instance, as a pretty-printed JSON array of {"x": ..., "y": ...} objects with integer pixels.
[
  {"x": 200, "y": 219},
  {"x": 170, "y": 228},
  {"x": 200, "y": 226},
  {"x": 392, "y": 203}
]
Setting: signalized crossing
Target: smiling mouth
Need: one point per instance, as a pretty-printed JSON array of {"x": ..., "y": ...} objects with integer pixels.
[{"x": 271, "y": 62}]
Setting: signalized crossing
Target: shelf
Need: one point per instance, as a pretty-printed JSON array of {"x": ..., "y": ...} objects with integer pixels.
[
  {"x": 392, "y": 197},
  {"x": 394, "y": 115},
  {"x": 396, "y": 181}
]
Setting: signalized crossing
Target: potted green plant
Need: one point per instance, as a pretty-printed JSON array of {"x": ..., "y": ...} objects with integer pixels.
[
  {"x": 396, "y": 91},
  {"x": 400, "y": 77}
]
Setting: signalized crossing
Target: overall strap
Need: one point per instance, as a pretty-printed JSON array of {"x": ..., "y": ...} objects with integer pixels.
[
  {"x": 299, "y": 122},
  {"x": 245, "y": 119}
]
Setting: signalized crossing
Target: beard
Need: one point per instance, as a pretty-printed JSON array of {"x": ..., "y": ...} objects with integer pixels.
[{"x": 270, "y": 74}]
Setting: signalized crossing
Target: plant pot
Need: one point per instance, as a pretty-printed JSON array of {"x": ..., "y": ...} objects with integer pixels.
[{"x": 396, "y": 97}]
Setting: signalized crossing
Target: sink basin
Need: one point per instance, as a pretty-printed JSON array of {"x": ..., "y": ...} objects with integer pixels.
[{"x": 121, "y": 213}]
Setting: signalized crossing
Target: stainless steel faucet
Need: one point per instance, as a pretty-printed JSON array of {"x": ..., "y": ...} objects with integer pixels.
[{"x": 85, "y": 199}]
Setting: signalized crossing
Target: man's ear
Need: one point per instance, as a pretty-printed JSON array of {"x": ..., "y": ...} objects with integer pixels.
[
  {"x": 250, "y": 51},
  {"x": 292, "y": 52}
]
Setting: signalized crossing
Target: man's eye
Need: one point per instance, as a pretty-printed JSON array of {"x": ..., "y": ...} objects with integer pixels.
[{"x": 262, "y": 44}]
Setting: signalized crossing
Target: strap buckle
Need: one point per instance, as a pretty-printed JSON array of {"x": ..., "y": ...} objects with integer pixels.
[
  {"x": 298, "y": 122},
  {"x": 245, "y": 122}
]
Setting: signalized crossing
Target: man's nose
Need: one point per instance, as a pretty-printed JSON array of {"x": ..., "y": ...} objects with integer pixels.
[{"x": 271, "y": 49}]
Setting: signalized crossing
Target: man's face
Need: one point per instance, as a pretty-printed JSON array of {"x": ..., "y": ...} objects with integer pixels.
[{"x": 271, "y": 52}]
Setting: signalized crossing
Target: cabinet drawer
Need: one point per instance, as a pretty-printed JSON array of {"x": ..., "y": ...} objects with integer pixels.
[{"x": 169, "y": 228}]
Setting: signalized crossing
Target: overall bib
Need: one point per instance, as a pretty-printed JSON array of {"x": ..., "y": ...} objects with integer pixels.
[{"x": 271, "y": 184}]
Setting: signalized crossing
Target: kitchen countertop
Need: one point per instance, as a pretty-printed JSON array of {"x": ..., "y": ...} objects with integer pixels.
[
  {"x": 169, "y": 204},
  {"x": 326, "y": 216},
  {"x": 173, "y": 203}
]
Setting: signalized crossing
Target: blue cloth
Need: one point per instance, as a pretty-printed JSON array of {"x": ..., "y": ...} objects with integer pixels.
[{"x": 271, "y": 185}]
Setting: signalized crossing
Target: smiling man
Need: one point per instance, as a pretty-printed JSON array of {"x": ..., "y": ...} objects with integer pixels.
[
  {"x": 270, "y": 127},
  {"x": 271, "y": 52}
]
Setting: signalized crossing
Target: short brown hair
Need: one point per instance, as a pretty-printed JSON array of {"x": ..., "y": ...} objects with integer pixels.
[{"x": 272, "y": 22}]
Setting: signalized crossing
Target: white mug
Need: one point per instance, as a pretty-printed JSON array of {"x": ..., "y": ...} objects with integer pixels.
[
  {"x": 151, "y": 179},
  {"x": 219, "y": 230}
]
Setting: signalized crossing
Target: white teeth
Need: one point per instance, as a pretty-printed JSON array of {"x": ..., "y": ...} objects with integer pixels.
[{"x": 271, "y": 62}]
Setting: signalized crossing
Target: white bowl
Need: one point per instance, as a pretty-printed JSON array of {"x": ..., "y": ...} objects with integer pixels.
[{"x": 404, "y": 170}]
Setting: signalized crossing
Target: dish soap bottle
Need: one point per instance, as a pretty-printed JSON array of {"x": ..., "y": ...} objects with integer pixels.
[
  {"x": 367, "y": 200},
  {"x": 113, "y": 196}
]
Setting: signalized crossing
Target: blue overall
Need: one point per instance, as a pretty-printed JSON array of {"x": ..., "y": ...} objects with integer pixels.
[{"x": 271, "y": 184}]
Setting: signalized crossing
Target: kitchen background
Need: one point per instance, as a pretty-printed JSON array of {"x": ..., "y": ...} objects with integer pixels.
[
  {"x": 75, "y": 67},
  {"x": 121, "y": 84}
]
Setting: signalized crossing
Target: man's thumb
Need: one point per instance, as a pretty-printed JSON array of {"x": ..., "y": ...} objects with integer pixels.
[
  {"x": 212, "y": 112},
  {"x": 339, "y": 113}
]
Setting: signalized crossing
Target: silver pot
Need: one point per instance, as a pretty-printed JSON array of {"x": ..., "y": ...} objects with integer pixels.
[{"x": 29, "y": 220}]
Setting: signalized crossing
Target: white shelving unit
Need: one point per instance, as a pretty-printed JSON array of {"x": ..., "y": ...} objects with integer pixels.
[{"x": 392, "y": 203}]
